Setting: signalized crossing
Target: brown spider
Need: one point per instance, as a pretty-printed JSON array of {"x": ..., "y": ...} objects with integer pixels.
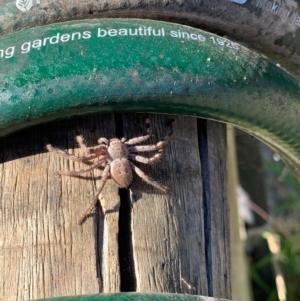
[{"x": 116, "y": 155}]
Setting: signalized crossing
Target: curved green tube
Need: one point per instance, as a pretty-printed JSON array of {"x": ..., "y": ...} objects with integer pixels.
[
  {"x": 135, "y": 297},
  {"x": 131, "y": 65}
]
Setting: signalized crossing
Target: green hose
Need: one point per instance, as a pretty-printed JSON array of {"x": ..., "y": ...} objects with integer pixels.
[
  {"x": 135, "y": 297},
  {"x": 131, "y": 65}
]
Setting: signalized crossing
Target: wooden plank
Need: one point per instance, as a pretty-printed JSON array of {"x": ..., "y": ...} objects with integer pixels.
[
  {"x": 110, "y": 266},
  {"x": 212, "y": 138},
  {"x": 167, "y": 230},
  {"x": 44, "y": 253},
  {"x": 241, "y": 288},
  {"x": 141, "y": 240},
  {"x": 107, "y": 220}
]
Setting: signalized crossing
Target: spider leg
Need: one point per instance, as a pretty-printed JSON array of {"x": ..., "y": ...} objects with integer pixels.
[
  {"x": 65, "y": 154},
  {"x": 137, "y": 140},
  {"x": 171, "y": 132},
  {"x": 147, "y": 148},
  {"x": 147, "y": 179},
  {"x": 91, "y": 150},
  {"x": 144, "y": 160},
  {"x": 92, "y": 204},
  {"x": 81, "y": 142},
  {"x": 94, "y": 149},
  {"x": 102, "y": 141},
  {"x": 77, "y": 172},
  {"x": 143, "y": 148},
  {"x": 141, "y": 139}
]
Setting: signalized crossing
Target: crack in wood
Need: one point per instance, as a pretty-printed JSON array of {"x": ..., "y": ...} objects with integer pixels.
[
  {"x": 205, "y": 174},
  {"x": 98, "y": 228},
  {"x": 127, "y": 269}
]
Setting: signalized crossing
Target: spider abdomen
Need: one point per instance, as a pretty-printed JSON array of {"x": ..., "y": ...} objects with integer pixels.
[{"x": 121, "y": 172}]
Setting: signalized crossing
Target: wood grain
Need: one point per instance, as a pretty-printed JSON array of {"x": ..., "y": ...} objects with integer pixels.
[
  {"x": 43, "y": 250},
  {"x": 138, "y": 239},
  {"x": 167, "y": 230},
  {"x": 219, "y": 235}
]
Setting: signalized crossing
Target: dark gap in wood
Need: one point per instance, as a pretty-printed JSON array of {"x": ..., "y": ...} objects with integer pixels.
[
  {"x": 206, "y": 185},
  {"x": 119, "y": 125},
  {"x": 98, "y": 228},
  {"x": 126, "y": 261},
  {"x": 127, "y": 269}
]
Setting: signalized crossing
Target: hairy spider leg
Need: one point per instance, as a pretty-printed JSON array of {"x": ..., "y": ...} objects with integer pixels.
[
  {"x": 103, "y": 140},
  {"x": 148, "y": 125},
  {"x": 147, "y": 148},
  {"x": 149, "y": 130},
  {"x": 65, "y": 154},
  {"x": 82, "y": 143},
  {"x": 97, "y": 149},
  {"x": 92, "y": 204},
  {"x": 145, "y": 160},
  {"x": 167, "y": 138},
  {"x": 77, "y": 172},
  {"x": 140, "y": 139},
  {"x": 137, "y": 140},
  {"x": 147, "y": 179},
  {"x": 90, "y": 150}
]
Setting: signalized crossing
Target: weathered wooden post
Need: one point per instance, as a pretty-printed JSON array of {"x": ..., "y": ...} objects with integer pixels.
[
  {"x": 138, "y": 240},
  {"x": 144, "y": 241}
]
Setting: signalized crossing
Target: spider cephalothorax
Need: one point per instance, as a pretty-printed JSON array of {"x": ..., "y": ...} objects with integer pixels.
[{"x": 116, "y": 155}]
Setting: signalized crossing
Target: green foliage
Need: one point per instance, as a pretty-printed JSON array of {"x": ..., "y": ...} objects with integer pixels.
[{"x": 287, "y": 225}]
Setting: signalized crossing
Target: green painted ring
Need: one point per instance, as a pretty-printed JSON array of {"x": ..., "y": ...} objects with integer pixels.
[
  {"x": 271, "y": 27},
  {"x": 136, "y": 297},
  {"x": 131, "y": 65}
]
